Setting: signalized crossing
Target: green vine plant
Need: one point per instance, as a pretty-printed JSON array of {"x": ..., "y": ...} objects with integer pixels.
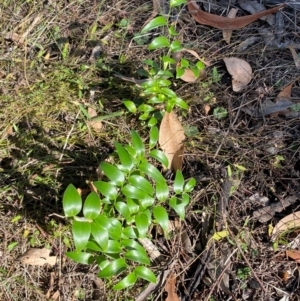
[
  {"x": 132, "y": 197},
  {"x": 157, "y": 90}
]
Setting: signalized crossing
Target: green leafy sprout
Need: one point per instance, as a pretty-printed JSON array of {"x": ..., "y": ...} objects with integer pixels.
[
  {"x": 157, "y": 89},
  {"x": 134, "y": 196}
]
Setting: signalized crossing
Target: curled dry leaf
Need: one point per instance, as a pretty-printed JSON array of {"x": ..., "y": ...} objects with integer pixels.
[
  {"x": 171, "y": 140},
  {"x": 240, "y": 71},
  {"x": 205, "y": 18},
  {"x": 170, "y": 288},
  {"x": 37, "y": 257},
  {"x": 289, "y": 222}
]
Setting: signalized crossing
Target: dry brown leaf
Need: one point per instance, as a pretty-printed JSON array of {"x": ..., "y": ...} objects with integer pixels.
[
  {"x": 96, "y": 125},
  {"x": 206, "y": 109},
  {"x": 189, "y": 77},
  {"x": 171, "y": 140},
  {"x": 286, "y": 92},
  {"x": 205, "y": 18},
  {"x": 240, "y": 71},
  {"x": 170, "y": 288},
  {"x": 294, "y": 254},
  {"x": 295, "y": 56},
  {"x": 289, "y": 222},
  {"x": 227, "y": 33},
  {"x": 38, "y": 257}
]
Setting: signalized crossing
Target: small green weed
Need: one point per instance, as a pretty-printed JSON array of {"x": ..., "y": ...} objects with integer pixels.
[
  {"x": 243, "y": 273},
  {"x": 157, "y": 90}
]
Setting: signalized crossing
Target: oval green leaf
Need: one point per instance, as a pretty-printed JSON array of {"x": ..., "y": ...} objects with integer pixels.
[
  {"x": 153, "y": 136},
  {"x": 134, "y": 193},
  {"x": 114, "y": 268},
  {"x": 137, "y": 256},
  {"x": 113, "y": 247},
  {"x": 161, "y": 217},
  {"x": 102, "y": 220},
  {"x": 155, "y": 23},
  {"x": 147, "y": 202},
  {"x": 131, "y": 244},
  {"x": 91, "y": 245},
  {"x": 114, "y": 229},
  {"x": 113, "y": 173},
  {"x": 123, "y": 209},
  {"x": 176, "y": 46},
  {"x": 91, "y": 207},
  {"x": 107, "y": 189},
  {"x": 152, "y": 122},
  {"x": 133, "y": 206},
  {"x": 129, "y": 280},
  {"x": 189, "y": 186},
  {"x": 159, "y": 42},
  {"x": 82, "y": 257},
  {"x": 138, "y": 143},
  {"x": 145, "y": 273},
  {"x": 153, "y": 172},
  {"x": 178, "y": 182},
  {"x": 141, "y": 183},
  {"x": 100, "y": 235},
  {"x": 130, "y": 232},
  {"x": 81, "y": 234},
  {"x": 162, "y": 192},
  {"x": 130, "y": 105},
  {"x": 141, "y": 222},
  {"x": 174, "y": 3},
  {"x": 178, "y": 207},
  {"x": 124, "y": 156},
  {"x": 160, "y": 157},
  {"x": 180, "y": 103},
  {"x": 72, "y": 202}
]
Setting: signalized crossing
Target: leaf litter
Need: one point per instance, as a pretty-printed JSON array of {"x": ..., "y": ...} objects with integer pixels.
[
  {"x": 171, "y": 140},
  {"x": 281, "y": 105}
]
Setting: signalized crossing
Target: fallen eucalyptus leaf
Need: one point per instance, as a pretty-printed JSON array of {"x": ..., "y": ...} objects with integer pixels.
[{"x": 205, "y": 18}]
